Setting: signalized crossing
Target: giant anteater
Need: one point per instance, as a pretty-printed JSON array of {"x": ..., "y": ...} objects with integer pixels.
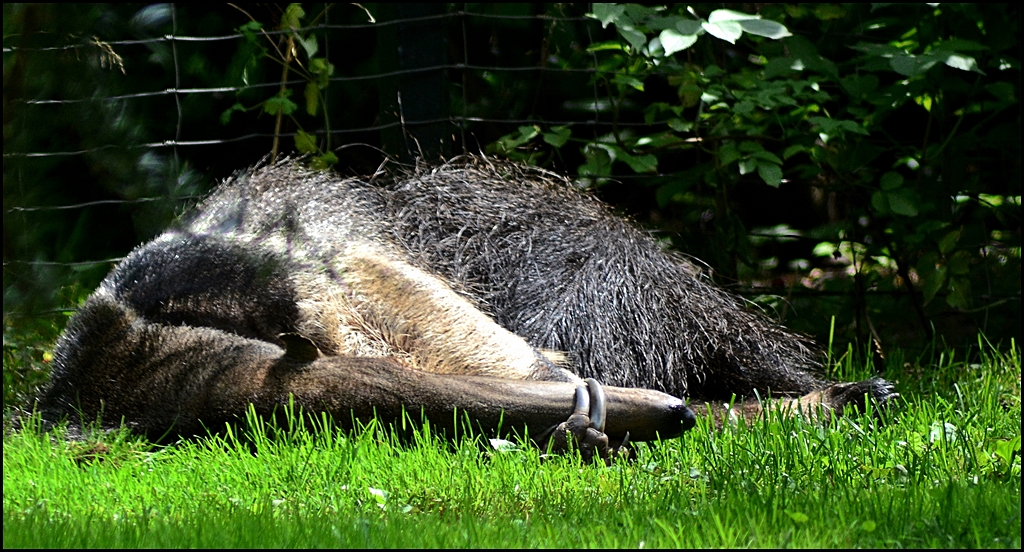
[{"x": 480, "y": 286}]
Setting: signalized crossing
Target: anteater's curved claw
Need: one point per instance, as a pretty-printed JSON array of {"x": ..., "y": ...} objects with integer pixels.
[
  {"x": 582, "y": 401},
  {"x": 584, "y": 430},
  {"x": 597, "y": 404}
]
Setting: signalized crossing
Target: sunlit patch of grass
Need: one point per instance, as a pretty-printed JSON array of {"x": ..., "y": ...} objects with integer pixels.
[{"x": 941, "y": 468}]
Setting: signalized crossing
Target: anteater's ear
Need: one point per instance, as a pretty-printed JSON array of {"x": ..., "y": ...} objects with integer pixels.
[{"x": 299, "y": 348}]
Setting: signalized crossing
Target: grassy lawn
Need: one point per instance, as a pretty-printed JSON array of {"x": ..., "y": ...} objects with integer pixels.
[{"x": 941, "y": 470}]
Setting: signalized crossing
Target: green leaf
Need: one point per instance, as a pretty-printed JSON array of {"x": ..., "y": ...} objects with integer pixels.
[
  {"x": 767, "y": 157},
  {"x": 962, "y": 62},
  {"x": 320, "y": 65},
  {"x": 635, "y": 38},
  {"x": 1001, "y": 90},
  {"x": 672, "y": 41},
  {"x": 661, "y": 23},
  {"x": 527, "y": 133},
  {"x": 652, "y": 111},
  {"x": 292, "y": 17},
  {"x": 599, "y": 163},
  {"x": 323, "y": 71},
  {"x": 891, "y": 181},
  {"x": 225, "y": 117},
  {"x": 689, "y": 95},
  {"x": 728, "y": 31},
  {"x": 280, "y": 104},
  {"x": 826, "y": 12},
  {"x": 805, "y": 51},
  {"x": 680, "y": 125},
  {"x": 912, "y": 66},
  {"x": 781, "y": 67},
  {"x": 712, "y": 71},
  {"x": 880, "y": 203},
  {"x": 607, "y": 13},
  {"x": 639, "y": 163},
  {"x": 931, "y": 285},
  {"x": 793, "y": 150},
  {"x": 250, "y": 27},
  {"x": 750, "y": 146},
  {"x": 948, "y": 242},
  {"x": 312, "y": 94},
  {"x": 689, "y": 27},
  {"x": 960, "y": 263},
  {"x": 324, "y": 162},
  {"x": 727, "y": 154},
  {"x": 959, "y": 293},
  {"x": 609, "y": 45},
  {"x": 671, "y": 191},
  {"x": 770, "y": 173},
  {"x": 902, "y": 202},
  {"x": 305, "y": 142},
  {"x": 308, "y": 44},
  {"x": 747, "y": 165},
  {"x": 825, "y": 249},
  {"x": 660, "y": 140},
  {"x": 250, "y": 30},
  {"x": 859, "y": 86},
  {"x": 635, "y": 13},
  {"x": 742, "y": 108},
  {"x": 851, "y": 126},
  {"x": 836, "y": 127},
  {"x": 558, "y": 136},
  {"x": 642, "y": 163},
  {"x": 825, "y": 124},
  {"x": 881, "y": 50},
  {"x": 1006, "y": 449},
  {"x": 730, "y": 15},
  {"x": 863, "y": 154},
  {"x": 509, "y": 142},
  {"x": 960, "y": 45},
  {"x": 245, "y": 75},
  {"x": 796, "y": 11},
  {"x": 766, "y": 28},
  {"x": 629, "y": 80}
]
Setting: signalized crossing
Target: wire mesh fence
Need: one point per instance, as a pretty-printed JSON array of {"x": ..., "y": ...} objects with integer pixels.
[
  {"x": 179, "y": 110},
  {"x": 110, "y": 55},
  {"x": 119, "y": 117}
]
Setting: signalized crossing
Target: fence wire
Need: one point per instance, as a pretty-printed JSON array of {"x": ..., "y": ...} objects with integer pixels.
[
  {"x": 465, "y": 29},
  {"x": 458, "y": 120},
  {"x": 113, "y": 50}
]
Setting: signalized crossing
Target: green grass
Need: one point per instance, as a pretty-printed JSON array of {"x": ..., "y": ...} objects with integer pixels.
[{"x": 943, "y": 470}]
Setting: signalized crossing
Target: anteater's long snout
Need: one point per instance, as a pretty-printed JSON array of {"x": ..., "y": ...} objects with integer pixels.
[{"x": 645, "y": 414}]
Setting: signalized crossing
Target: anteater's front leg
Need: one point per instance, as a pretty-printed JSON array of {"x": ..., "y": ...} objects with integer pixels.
[
  {"x": 419, "y": 314},
  {"x": 367, "y": 387},
  {"x": 226, "y": 373}
]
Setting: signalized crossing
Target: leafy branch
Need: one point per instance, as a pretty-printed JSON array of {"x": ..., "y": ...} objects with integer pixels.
[
  {"x": 811, "y": 107},
  {"x": 289, "y": 50}
]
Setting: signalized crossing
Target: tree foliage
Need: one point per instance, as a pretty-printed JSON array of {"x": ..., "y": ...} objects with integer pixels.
[
  {"x": 901, "y": 121},
  {"x": 295, "y": 50}
]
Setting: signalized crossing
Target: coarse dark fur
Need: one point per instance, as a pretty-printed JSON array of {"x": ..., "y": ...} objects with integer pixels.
[
  {"x": 366, "y": 298},
  {"x": 558, "y": 268}
]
